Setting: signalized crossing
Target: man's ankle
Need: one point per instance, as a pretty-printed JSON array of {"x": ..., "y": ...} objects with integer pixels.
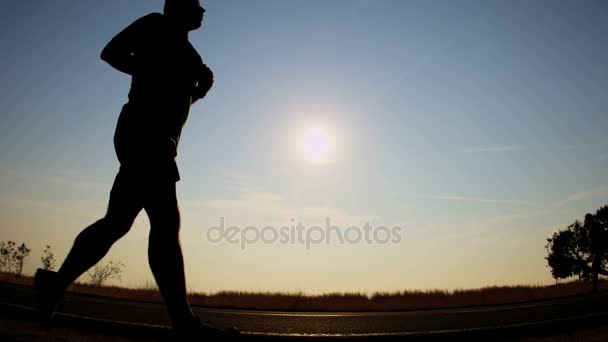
[
  {"x": 56, "y": 279},
  {"x": 184, "y": 319}
]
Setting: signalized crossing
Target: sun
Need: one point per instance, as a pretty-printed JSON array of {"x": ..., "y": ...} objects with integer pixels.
[{"x": 316, "y": 145}]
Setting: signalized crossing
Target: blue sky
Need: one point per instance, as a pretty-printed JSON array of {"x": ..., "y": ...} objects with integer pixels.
[{"x": 477, "y": 126}]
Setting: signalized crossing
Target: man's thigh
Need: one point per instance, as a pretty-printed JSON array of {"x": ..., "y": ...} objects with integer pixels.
[{"x": 126, "y": 197}]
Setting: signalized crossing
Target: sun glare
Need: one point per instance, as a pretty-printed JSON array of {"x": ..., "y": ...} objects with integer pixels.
[{"x": 316, "y": 145}]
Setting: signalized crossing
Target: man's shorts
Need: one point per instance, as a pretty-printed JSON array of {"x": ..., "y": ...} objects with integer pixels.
[
  {"x": 142, "y": 148},
  {"x": 151, "y": 171},
  {"x": 134, "y": 190}
]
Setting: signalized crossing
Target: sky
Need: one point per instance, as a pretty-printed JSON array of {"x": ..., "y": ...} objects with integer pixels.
[{"x": 478, "y": 128}]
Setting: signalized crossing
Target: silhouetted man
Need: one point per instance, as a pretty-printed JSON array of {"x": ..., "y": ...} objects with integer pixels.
[
  {"x": 597, "y": 242},
  {"x": 168, "y": 76}
]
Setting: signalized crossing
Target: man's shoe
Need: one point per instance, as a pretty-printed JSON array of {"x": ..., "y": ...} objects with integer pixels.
[{"x": 49, "y": 293}]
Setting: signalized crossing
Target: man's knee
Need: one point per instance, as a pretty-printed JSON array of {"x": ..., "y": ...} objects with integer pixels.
[
  {"x": 165, "y": 217},
  {"x": 167, "y": 229}
]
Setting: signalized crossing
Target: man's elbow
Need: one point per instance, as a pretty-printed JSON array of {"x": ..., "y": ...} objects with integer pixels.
[
  {"x": 110, "y": 53},
  {"x": 105, "y": 55}
]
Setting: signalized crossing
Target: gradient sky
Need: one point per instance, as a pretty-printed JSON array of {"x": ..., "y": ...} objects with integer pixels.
[{"x": 479, "y": 127}]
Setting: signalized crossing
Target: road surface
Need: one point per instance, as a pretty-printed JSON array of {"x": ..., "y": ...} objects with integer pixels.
[{"x": 566, "y": 314}]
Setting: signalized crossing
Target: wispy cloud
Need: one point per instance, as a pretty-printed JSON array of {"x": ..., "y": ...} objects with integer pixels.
[
  {"x": 5, "y": 201},
  {"x": 495, "y": 149},
  {"x": 545, "y": 209},
  {"x": 65, "y": 178},
  {"x": 79, "y": 183},
  {"x": 474, "y": 199},
  {"x": 581, "y": 195},
  {"x": 254, "y": 205},
  {"x": 34, "y": 206},
  {"x": 271, "y": 208}
]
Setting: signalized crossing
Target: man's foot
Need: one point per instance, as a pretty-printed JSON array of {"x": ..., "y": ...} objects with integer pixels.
[
  {"x": 49, "y": 293},
  {"x": 194, "y": 328}
]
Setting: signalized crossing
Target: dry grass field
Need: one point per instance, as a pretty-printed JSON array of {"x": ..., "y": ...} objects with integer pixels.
[{"x": 403, "y": 300}]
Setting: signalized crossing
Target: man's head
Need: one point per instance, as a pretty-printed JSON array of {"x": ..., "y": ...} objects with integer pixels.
[{"x": 188, "y": 13}]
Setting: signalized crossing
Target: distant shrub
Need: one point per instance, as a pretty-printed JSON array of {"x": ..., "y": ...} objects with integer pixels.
[{"x": 101, "y": 273}]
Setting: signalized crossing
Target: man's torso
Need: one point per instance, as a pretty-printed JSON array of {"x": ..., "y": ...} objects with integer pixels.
[{"x": 164, "y": 76}]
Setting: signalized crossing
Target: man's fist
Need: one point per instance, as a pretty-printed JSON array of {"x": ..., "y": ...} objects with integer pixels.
[
  {"x": 206, "y": 73},
  {"x": 204, "y": 83}
]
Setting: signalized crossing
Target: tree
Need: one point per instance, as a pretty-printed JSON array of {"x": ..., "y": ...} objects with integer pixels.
[
  {"x": 6, "y": 252},
  {"x": 19, "y": 256},
  {"x": 601, "y": 216},
  {"x": 48, "y": 259},
  {"x": 102, "y": 273},
  {"x": 565, "y": 257},
  {"x": 12, "y": 257},
  {"x": 569, "y": 250}
]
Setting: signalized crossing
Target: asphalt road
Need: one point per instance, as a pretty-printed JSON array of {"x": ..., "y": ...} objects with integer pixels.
[{"x": 565, "y": 313}]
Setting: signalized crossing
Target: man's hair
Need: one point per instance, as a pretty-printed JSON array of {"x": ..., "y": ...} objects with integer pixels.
[
  {"x": 172, "y": 6},
  {"x": 589, "y": 218},
  {"x": 180, "y": 7}
]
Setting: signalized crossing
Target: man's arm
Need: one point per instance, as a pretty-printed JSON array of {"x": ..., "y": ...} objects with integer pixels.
[{"x": 120, "y": 51}]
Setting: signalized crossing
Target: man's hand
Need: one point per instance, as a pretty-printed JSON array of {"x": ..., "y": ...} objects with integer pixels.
[{"x": 204, "y": 83}]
